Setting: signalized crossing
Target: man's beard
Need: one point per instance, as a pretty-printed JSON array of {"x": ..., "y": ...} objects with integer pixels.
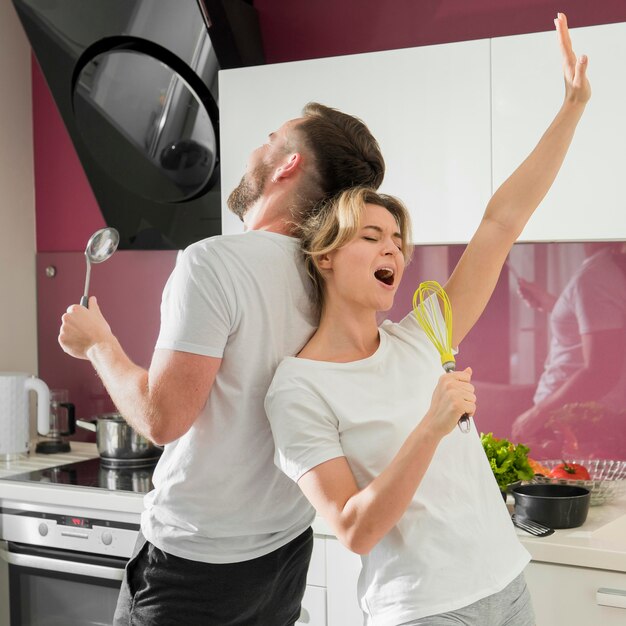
[{"x": 249, "y": 190}]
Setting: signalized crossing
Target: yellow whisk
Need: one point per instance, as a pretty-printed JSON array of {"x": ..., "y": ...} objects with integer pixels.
[{"x": 426, "y": 309}]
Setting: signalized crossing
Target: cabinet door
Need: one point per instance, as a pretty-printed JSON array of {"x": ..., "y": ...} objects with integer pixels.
[
  {"x": 343, "y": 569},
  {"x": 569, "y": 595},
  {"x": 313, "y": 607},
  {"x": 586, "y": 201},
  {"x": 317, "y": 567},
  {"x": 428, "y": 107}
]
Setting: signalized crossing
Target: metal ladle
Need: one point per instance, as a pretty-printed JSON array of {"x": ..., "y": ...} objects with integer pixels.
[{"x": 101, "y": 245}]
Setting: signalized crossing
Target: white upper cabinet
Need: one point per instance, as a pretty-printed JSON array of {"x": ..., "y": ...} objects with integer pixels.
[
  {"x": 429, "y": 108},
  {"x": 453, "y": 121},
  {"x": 587, "y": 201}
]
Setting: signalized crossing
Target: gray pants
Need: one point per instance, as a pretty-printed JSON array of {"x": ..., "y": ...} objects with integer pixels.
[{"x": 510, "y": 607}]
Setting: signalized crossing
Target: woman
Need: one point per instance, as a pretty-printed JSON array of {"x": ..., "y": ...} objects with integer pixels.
[{"x": 366, "y": 424}]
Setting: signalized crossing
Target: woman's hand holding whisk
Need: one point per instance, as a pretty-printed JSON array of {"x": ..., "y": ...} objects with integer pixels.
[{"x": 453, "y": 396}]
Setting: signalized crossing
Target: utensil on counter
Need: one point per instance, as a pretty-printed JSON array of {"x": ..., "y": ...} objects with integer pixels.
[
  {"x": 15, "y": 412},
  {"x": 101, "y": 245},
  {"x": 428, "y": 318},
  {"x": 533, "y": 528},
  {"x": 61, "y": 411},
  {"x": 555, "y": 506},
  {"x": 118, "y": 443}
]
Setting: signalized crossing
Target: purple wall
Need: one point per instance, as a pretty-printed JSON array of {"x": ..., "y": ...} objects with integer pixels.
[
  {"x": 306, "y": 30},
  {"x": 67, "y": 212},
  {"x": 128, "y": 287},
  {"x": 515, "y": 340},
  {"x": 508, "y": 347}
]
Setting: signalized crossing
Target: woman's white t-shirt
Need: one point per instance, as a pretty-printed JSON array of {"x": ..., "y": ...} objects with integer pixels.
[{"x": 456, "y": 543}]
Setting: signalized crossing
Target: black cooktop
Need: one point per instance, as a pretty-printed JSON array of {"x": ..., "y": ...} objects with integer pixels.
[{"x": 93, "y": 473}]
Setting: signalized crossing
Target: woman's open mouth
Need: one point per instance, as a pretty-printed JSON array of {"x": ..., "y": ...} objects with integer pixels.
[{"x": 385, "y": 275}]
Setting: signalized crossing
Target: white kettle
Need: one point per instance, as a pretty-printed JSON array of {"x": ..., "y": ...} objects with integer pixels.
[{"x": 15, "y": 411}]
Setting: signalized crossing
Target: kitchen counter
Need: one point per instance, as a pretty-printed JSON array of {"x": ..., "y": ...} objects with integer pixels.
[
  {"x": 600, "y": 543},
  {"x": 126, "y": 505},
  {"x": 80, "y": 451}
]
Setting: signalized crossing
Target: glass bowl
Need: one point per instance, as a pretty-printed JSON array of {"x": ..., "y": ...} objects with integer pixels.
[{"x": 608, "y": 478}]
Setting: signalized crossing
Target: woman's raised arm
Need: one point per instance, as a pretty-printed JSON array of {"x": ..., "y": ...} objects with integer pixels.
[{"x": 476, "y": 274}]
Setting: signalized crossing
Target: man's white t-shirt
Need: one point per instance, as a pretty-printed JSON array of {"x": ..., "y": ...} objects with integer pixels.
[
  {"x": 218, "y": 496},
  {"x": 456, "y": 543}
]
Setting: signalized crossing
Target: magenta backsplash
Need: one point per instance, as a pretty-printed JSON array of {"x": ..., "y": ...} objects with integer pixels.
[
  {"x": 128, "y": 287},
  {"x": 508, "y": 347}
]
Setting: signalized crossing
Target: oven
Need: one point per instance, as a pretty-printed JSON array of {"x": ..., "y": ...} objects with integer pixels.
[{"x": 62, "y": 563}]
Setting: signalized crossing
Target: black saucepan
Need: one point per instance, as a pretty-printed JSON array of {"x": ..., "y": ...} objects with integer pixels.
[{"x": 556, "y": 506}]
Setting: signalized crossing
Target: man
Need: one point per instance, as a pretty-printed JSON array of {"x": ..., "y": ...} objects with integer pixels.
[{"x": 228, "y": 537}]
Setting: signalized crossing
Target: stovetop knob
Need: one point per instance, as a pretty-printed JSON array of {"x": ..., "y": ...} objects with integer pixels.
[
  {"x": 43, "y": 529},
  {"x": 107, "y": 538}
]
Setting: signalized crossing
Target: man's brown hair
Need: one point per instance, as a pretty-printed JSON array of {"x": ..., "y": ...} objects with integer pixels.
[{"x": 344, "y": 152}]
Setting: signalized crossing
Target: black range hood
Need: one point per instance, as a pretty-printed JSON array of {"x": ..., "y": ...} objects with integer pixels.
[{"x": 135, "y": 82}]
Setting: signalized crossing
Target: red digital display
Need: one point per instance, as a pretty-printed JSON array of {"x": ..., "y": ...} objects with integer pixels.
[{"x": 77, "y": 522}]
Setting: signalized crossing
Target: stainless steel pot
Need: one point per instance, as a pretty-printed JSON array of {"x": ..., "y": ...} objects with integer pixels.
[{"x": 117, "y": 440}]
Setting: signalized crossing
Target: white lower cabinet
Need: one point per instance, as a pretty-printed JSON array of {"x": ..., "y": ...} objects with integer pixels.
[
  {"x": 330, "y": 598},
  {"x": 342, "y": 575},
  {"x": 314, "y": 601},
  {"x": 313, "y": 607},
  {"x": 561, "y": 594},
  {"x": 576, "y": 596}
]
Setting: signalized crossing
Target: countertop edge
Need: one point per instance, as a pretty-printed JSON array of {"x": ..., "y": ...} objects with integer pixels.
[{"x": 582, "y": 547}]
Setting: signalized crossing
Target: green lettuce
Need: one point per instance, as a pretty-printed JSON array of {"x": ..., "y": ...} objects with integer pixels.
[{"x": 509, "y": 462}]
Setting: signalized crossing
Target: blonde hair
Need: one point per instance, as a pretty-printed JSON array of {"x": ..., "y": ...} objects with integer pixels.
[{"x": 337, "y": 222}]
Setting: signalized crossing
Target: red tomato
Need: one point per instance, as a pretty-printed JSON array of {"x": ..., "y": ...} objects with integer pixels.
[{"x": 571, "y": 471}]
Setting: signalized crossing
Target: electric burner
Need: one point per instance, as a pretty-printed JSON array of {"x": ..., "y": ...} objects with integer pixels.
[{"x": 94, "y": 473}]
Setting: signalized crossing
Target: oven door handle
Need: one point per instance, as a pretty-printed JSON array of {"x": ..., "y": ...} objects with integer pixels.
[{"x": 61, "y": 565}]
